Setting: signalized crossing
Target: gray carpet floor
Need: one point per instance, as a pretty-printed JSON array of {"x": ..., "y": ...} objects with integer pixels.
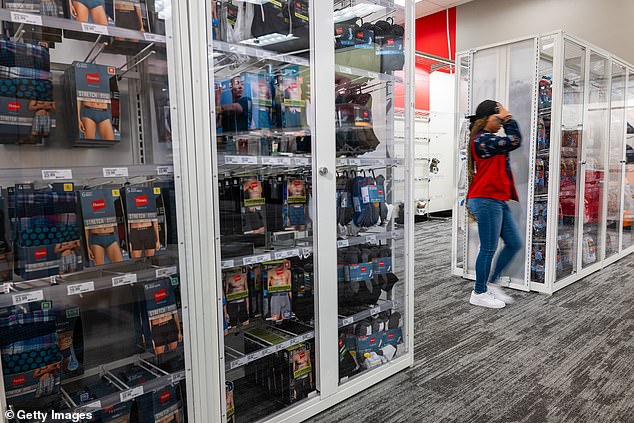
[{"x": 565, "y": 358}]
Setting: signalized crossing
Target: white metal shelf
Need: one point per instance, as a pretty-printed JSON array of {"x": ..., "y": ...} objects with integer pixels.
[
  {"x": 349, "y": 70},
  {"x": 371, "y": 238},
  {"x": 73, "y": 173},
  {"x": 258, "y": 53},
  {"x": 367, "y": 161},
  {"x": 71, "y": 25},
  {"x": 370, "y": 312},
  {"x": 229, "y": 160}
]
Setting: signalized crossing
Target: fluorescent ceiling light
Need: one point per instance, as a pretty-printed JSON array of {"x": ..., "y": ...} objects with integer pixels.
[
  {"x": 402, "y": 2},
  {"x": 268, "y": 39},
  {"x": 356, "y": 11}
]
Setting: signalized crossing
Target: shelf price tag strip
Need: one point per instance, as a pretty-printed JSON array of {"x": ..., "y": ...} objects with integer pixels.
[
  {"x": 115, "y": 172},
  {"x": 26, "y": 18},
  {"x": 131, "y": 394},
  {"x": 388, "y": 305},
  {"x": 28, "y": 297},
  {"x": 56, "y": 174},
  {"x": 165, "y": 271},
  {"x": 80, "y": 288},
  {"x": 126, "y": 279},
  {"x": 238, "y": 362}
]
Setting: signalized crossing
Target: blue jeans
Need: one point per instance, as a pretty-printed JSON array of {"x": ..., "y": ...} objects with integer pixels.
[{"x": 494, "y": 221}]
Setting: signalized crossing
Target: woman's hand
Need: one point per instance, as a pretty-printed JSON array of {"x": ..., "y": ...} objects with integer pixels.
[{"x": 504, "y": 114}]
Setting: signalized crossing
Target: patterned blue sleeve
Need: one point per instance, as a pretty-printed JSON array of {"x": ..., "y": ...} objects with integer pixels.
[{"x": 488, "y": 145}]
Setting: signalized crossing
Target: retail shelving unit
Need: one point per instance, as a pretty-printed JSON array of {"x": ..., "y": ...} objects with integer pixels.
[
  {"x": 317, "y": 305},
  {"x": 574, "y": 104}
]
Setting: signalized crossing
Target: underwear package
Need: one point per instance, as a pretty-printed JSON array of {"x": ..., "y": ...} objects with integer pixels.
[
  {"x": 237, "y": 296},
  {"x": 294, "y": 105},
  {"x": 30, "y": 332},
  {"x": 231, "y": 408},
  {"x": 45, "y": 229},
  {"x": 71, "y": 341},
  {"x": 158, "y": 325},
  {"x": 295, "y": 200},
  {"x": 232, "y": 121},
  {"x": 277, "y": 280},
  {"x": 258, "y": 87},
  {"x": 91, "y": 83},
  {"x": 140, "y": 206},
  {"x": 303, "y": 289},
  {"x": 99, "y": 213},
  {"x": 253, "y": 206},
  {"x": 254, "y": 280}
]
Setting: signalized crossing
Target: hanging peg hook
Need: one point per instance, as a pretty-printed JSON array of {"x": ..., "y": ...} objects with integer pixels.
[
  {"x": 19, "y": 33},
  {"x": 92, "y": 49},
  {"x": 138, "y": 62}
]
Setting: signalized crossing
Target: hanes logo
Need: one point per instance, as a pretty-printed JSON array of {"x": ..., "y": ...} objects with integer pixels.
[
  {"x": 98, "y": 204},
  {"x": 93, "y": 78},
  {"x": 141, "y": 201},
  {"x": 14, "y": 106},
  {"x": 18, "y": 380},
  {"x": 160, "y": 295},
  {"x": 165, "y": 396},
  {"x": 40, "y": 254}
]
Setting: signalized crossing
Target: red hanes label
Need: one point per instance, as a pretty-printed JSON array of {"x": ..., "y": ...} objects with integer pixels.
[
  {"x": 380, "y": 191},
  {"x": 381, "y": 263},
  {"x": 40, "y": 254},
  {"x": 360, "y": 34},
  {"x": 298, "y": 183},
  {"x": 390, "y": 41},
  {"x": 254, "y": 185},
  {"x": 93, "y": 78},
  {"x": 237, "y": 278},
  {"x": 160, "y": 295},
  {"x": 141, "y": 201},
  {"x": 98, "y": 204},
  {"x": 390, "y": 335},
  {"x": 363, "y": 269},
  {"x": 302, "y": 354},
  {"x": 372, "y": 340},
  {"x": 339, "y": 30},
  {"x": 18, "y": 380},
  {"x": 279, "y": 272},
  {"x": 14, "y": 106},
  {"x": 165, "y": 396}
]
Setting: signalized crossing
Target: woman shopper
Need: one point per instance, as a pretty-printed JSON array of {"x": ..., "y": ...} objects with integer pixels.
[{"x": 491, "y": 186}]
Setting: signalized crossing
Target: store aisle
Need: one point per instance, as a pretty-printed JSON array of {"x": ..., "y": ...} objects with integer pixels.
[{"x": 565, "y": 358}]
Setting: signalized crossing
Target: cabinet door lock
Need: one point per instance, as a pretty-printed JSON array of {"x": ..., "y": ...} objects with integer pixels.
[{"x": 323, "y": 171}]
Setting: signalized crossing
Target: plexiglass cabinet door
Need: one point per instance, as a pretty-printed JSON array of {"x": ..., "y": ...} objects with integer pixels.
[
  {"x": 371, "y": 186},
  {"x": 91, "y": 311},
  {"x": 259, "y": 63}
]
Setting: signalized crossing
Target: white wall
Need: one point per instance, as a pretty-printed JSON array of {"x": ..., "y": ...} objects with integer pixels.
[{"x": 605, "y": 23}]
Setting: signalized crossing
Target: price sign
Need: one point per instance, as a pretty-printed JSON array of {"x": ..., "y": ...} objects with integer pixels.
[
  {"x": 5, "y": 288},
  {"x": 94, "y": 29},
  {"x": 26, "y": 18},
  {"x": 371, "y": 239},
  {"x": 249, "y": 260},
  {"x": 93, "y": 406},
  {"x": 301, "y": 161},
  {"x": 165, "y": 271},
  {"x": 275, "y": 161},
  {"x": 345, "y": 69},
  {"x": 286, "y": 254},
  {"x": 164, "y": 170},
  {"x": 306, "y": 251},
  {"x": 355, "y": 162},
  {"x": 262, "y": 258},
  {"x": 374, "y": 311},
  {"x": 343, "y": 243},
  {"x": 115, "y": 172},
  {"x": 153, "y": 38},
  {"x": 28, "y": 297},
  {"x": 256, "y": 355},
  {"x": 176, "y": 377},
  {"x": 57, "y": 174},
  {"x": 238, "y": 362},
  {"x": 80, "y": 288},
  {"x": 226, "y": 264},
  {"x": 126, "y": 279},
  {"x": 130, "y": 394}
]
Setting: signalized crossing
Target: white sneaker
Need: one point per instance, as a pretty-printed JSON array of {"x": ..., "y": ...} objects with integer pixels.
[
  {"x": 499, "y": 293},
  {"x": 485, "y": 299}
]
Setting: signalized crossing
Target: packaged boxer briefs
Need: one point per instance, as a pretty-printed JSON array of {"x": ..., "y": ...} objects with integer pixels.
[
  {"x": 101, "y": 233},
  {"x": 295, "y": 199},
  {"x": 236, "y": 292},
  {"x": 30, "y": 351},
  {"x": 90, "y": 106},
  {"x": 276, "y": 290},
  {"x": 144, "y": 238},
  {"x": 255, "y": 290},
  {"x": 71, "y": 341},
  {"x": 253, "y": 206},
  {"x": 231, "y": 408},
  {"x": 294, "y": 106},
  {"x": 298, "y": 366},
  {"x": 159, "y": 327}
]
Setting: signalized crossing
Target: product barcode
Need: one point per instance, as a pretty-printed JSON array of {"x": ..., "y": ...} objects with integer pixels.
[
  {"x": 154, "y": 38},
  {"x": 28, "y": 297},
  {"x": 126, "y": 279},
  {"x": 26, "y": 18},
  {"x": 80, "y": 288},
  {"x": 110, "y": 172},
  {"x": 56, "y": 174},
  {"x": 131, "y": 394},
  {"x": 94, "y": 29}
]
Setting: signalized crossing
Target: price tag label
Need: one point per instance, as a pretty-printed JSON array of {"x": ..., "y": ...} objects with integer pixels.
[
  {"x": 301, "y": 161},
  {"x": 307, "y": 251},
  {"x": 80, "y": 288},
  {"x": 307, "y": 336},
  {"x": 275, "y": 161},
  {"x": 262, "y": 258},
  {"x": 286, "y": 254},
  {"x": 249, "y": 260},
  {"x": 26, "y": 18},
  {"x": 249, "y": 160},
  {"x": 371, "y": 239},
  {"x": 345, "y": 69},
  {"x": 5, "y": 288},
  {"x": 374, "y": 311},
  {"x": 115, "y": 172},
  {"x": 343, "y": 243},
  {"x": 154, "y": 38},
  {"x": 355, "y": 162},
  {"x": 131, "y": 394},
  {"x": 238, "y": 363},
  {"x": 226, "y": 264},
  {"x": 373, "y": 75},
  {"x": 93, "y": 406},
  {"x": 256, "y": 355},
  {"x": 165, "y": 271},
  {"x": 28, "y": 297},
  {"x": 164, "y": 170},
  {"x": 94, "y": 29},
  {"x": 176, "y": 377},
  {"x": 126, "y": 279},
  {"x": 347, "y": 321},
  {"x": 57, "y": 174}
]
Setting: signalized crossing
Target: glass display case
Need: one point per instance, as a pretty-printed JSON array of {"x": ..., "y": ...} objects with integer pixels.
[
  {"x": 577, "y": 135},
  {"x": 313, "y": 245},
  {"x": 92, "y": 307}
]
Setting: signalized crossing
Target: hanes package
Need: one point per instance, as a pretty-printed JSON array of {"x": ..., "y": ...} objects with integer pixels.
[
  {"x": 142, "y": 226},
  {"x": 276, "y": 290},
  {"x": 159, "y": 327}
]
